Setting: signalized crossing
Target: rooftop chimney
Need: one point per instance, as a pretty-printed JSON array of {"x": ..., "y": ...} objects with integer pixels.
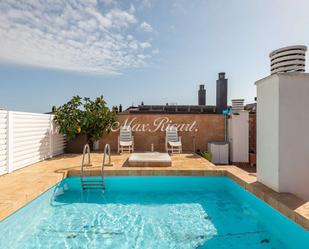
[
  {"x": 202, "y": 95},
  {"x": 221, "y": 102},
  {"x": 238, "y": 105},
  {"x": 288, "y": 59}
]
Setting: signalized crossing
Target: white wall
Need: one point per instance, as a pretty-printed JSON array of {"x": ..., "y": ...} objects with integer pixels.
[
  {"x": 268, "y": 132},
  {"x": 294, "y": 134},
  {"x": 239, "y": 137},
  {"x": 283, "y": 133},
  {"x": 27, "y": 138}
]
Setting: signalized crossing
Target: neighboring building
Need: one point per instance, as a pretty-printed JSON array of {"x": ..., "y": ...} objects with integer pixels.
[
  {"x": 202, "y": 95},
  {"x": 221, "y": 102},
  {"x": 200, "y": 108},
  {"x": 54, "y": 108},
  {"x": 171, "y": 109},
  {"x": 251, "y": 108}
]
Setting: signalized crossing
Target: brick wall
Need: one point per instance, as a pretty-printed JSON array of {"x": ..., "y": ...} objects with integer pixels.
[
  {"x": 252, "y": 133},
  {"x": 197, "y": 129}
]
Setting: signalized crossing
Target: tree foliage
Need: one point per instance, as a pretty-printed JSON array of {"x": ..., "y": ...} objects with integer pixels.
[
  {"x": 97, "y": 118},
  {"x": 84, "y": 116}
]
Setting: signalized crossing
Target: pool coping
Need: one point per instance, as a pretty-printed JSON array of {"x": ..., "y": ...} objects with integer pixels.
[{"x": 288, "y": 204}]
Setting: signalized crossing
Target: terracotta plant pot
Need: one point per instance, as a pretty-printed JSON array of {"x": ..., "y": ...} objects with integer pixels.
[{"x": 96, "y": 145}]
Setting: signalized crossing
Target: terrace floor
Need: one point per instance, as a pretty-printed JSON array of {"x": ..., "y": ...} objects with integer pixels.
[{"x": 24, "y": 185}]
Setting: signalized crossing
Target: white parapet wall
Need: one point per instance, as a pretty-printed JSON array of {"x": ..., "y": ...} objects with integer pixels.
[
  {"x": 27, "y": 138},
  {"x": 283, "y": 133}
]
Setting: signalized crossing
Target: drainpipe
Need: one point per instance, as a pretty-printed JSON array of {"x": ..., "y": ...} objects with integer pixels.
[
  {"x": 225, "y": 128},
  {"x": 194, "y": 144},
  {"x": 226, "y": 114}
]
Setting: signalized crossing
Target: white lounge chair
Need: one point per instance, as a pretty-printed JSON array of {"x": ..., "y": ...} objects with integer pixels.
[
  {"x": 125, "y": 140},
  {"x": 172, "y": 141}
]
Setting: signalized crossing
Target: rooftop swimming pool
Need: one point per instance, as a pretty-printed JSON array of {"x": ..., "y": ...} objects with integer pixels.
[{"x": 151, "y": 213}]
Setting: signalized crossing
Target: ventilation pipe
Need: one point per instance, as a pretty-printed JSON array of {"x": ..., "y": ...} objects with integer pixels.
[
  {"x": 288, "y": 59},
  {"x": 237, "y": 105}
]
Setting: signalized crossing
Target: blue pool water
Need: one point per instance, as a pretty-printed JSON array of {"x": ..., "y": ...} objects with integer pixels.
[{"x": 151, "y": 213}]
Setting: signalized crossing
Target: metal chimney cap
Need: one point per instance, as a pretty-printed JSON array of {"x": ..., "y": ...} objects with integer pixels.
[
  {"x": 294, "y": 47},
  {"x": 238, "y": 104},
  {"x": 288, "y": 59},
  {"x": 221, "y": 75}
]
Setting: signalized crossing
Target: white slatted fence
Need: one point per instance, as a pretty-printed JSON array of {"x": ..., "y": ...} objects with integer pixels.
[
  {"x": 27, "y": 138},
  {"x": 3, "y": 142}
]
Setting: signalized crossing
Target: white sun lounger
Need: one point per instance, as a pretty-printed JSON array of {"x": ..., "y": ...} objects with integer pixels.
[
  {"x": 172, "y": 141},
  {"x": 125, "y": 140}
]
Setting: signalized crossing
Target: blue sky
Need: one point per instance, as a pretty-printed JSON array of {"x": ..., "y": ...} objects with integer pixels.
[{"x": 156, "y": 51}]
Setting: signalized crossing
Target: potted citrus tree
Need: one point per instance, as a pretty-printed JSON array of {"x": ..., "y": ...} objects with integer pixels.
[{"x": 83, "y": 116}]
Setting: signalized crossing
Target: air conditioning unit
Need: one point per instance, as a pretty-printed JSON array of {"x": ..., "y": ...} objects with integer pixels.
[{"x": 219, "y": 151}]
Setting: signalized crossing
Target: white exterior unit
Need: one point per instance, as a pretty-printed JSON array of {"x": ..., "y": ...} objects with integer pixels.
[
  {"x": 283, "y": 133},
  {"x": 238, "y": 134},
  {"x": 219, "y": 151}
]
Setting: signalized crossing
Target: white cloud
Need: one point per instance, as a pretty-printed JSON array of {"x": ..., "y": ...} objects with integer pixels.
[
  {"x": 70, "y": 35},
  {"x": 145, "y": 45},
  {"x": 144, "y": 3},
  {"x": 146, "y": 27},
  {"x": 132, "y": 8},
  {"x": 108, "y": 2},
  {"x": 121, "y": 18},
  {"x": 180, "y": 7},
  {"x": 155, "y": 51}
]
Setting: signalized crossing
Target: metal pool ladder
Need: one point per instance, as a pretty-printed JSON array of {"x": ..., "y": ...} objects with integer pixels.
[{"x": 98, "y": 183}]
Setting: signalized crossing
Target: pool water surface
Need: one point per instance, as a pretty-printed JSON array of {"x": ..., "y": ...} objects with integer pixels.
[{"x": 151, "y": 213}]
